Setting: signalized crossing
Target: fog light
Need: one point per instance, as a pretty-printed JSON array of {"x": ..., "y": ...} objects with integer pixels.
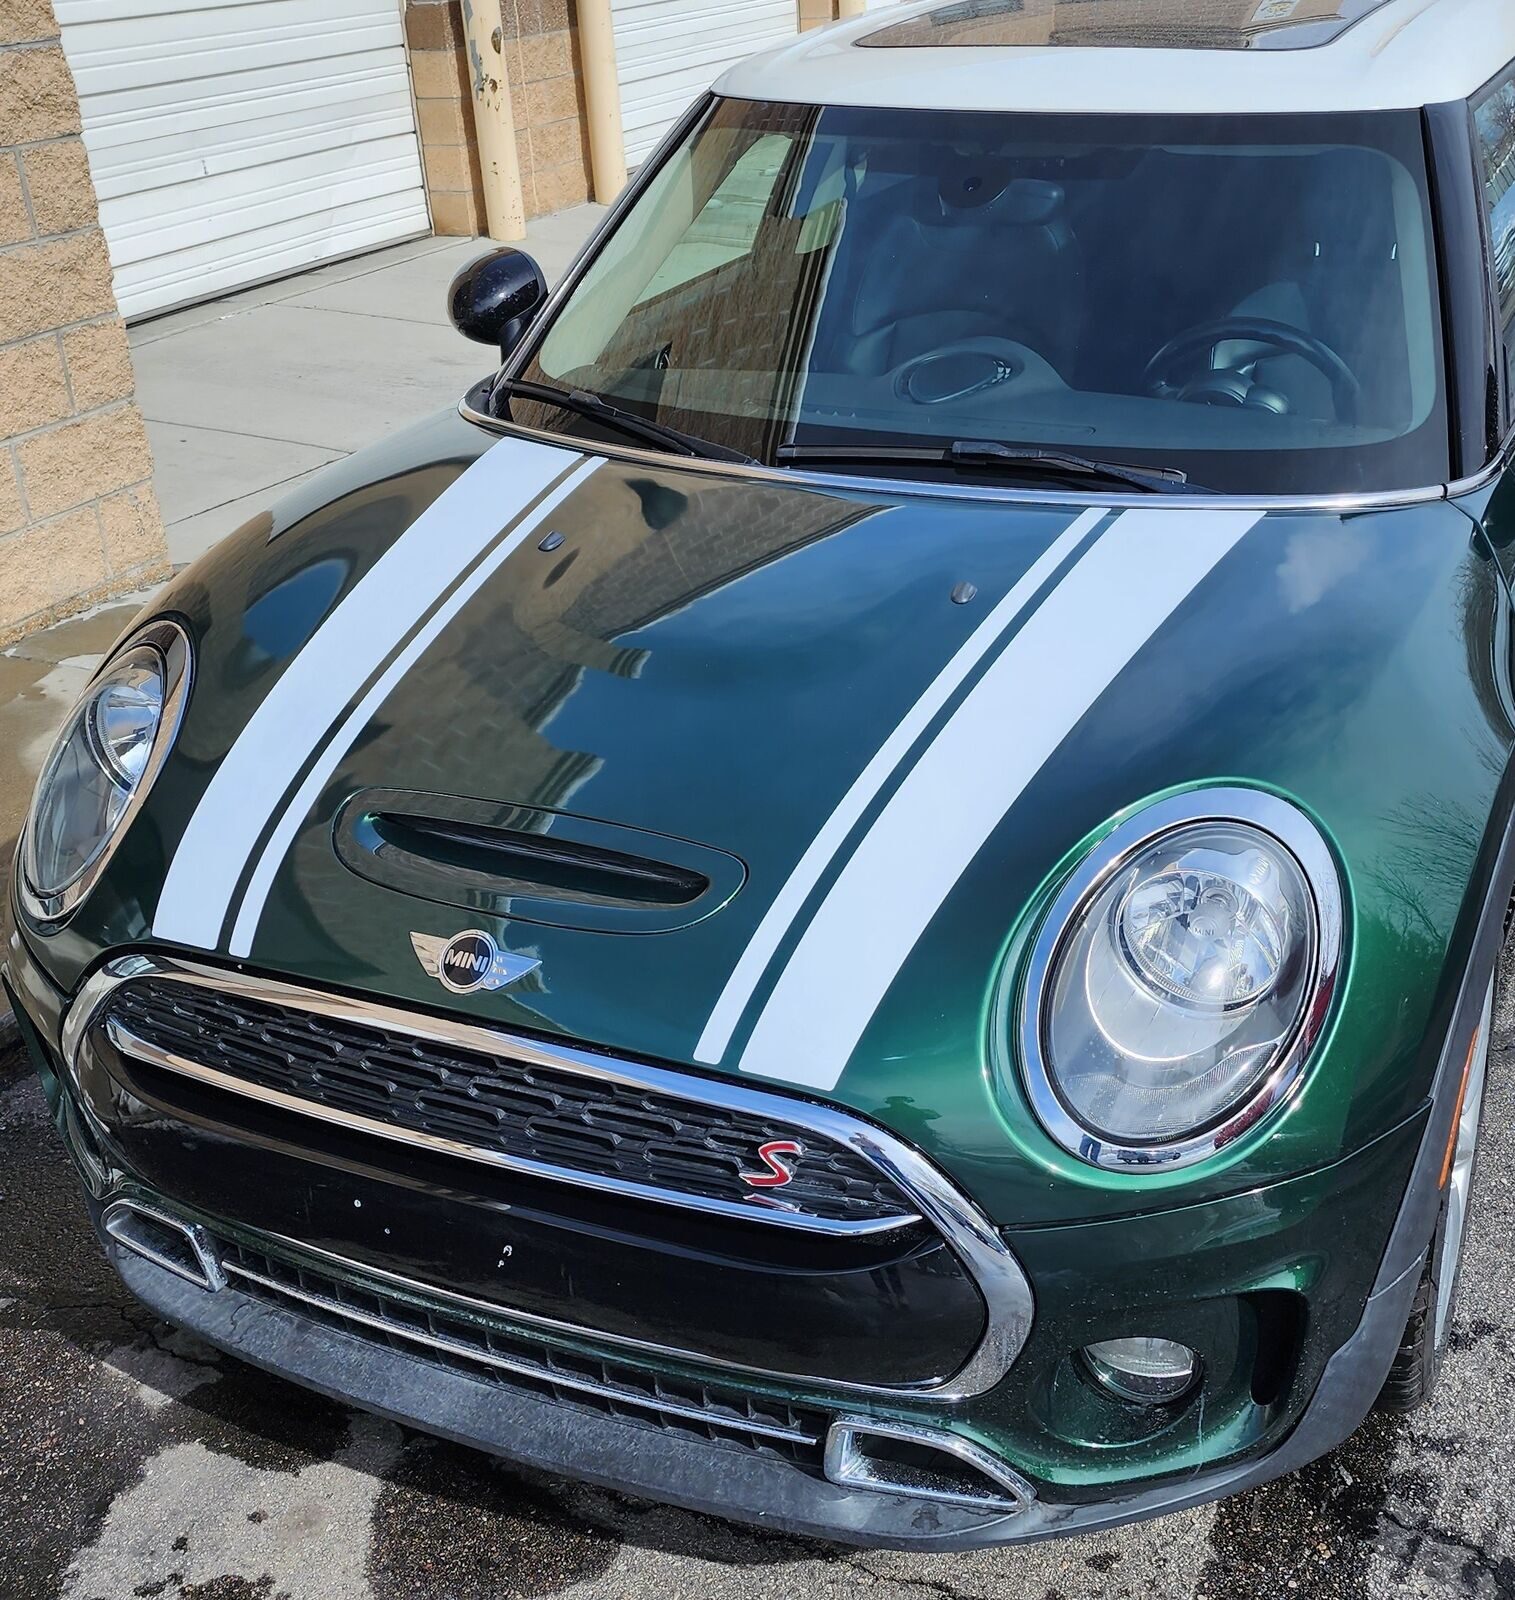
[{"x": 1152, "y": 1372}]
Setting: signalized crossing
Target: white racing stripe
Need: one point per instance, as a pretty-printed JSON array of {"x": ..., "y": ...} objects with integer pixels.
[
  {"x": 780, "y": 915},
  {"x": 1026, "y": 703},
  {"x": 371, "y": 621},
  {"x": 295, "y": 813}
]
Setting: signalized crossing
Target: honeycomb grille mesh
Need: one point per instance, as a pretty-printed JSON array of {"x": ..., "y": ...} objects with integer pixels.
[{"x": 496, "y": 1103}]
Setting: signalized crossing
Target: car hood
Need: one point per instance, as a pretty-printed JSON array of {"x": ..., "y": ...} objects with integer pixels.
[{"x": 874, "y": 726}]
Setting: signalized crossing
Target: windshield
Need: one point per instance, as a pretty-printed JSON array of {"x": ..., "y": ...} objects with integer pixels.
[{"x": 1250, "y": 301}]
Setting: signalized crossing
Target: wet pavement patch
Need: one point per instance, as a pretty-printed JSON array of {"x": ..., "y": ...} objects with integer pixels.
[
  {"x": 1310, "y": 1534},
  {"x": 525, "y": 1541}
]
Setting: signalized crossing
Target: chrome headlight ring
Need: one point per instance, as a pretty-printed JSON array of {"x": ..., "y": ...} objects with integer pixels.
[
  {"x": 86, "y": 734},
  {"x": 1270, "y": 820}
]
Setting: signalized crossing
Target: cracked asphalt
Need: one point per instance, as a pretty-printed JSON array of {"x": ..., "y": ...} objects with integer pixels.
[{"x": 135, "y": 1462}]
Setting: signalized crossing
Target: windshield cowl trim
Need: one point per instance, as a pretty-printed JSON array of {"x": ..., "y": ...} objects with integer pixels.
[{"x": 940, "y": 489}]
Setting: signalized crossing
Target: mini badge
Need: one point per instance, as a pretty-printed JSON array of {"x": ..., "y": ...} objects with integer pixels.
[{"x": 469, "y": 961}]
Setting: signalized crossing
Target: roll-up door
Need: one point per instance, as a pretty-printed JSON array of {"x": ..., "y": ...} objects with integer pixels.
[
  {"x": 668, "y": 52},
  {"x": 231, "y": 142}
]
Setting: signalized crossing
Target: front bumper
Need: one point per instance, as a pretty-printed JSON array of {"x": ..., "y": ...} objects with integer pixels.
[
  {"x": 709, "y": 1477},
  {"x": 1238, "y": 1244}
]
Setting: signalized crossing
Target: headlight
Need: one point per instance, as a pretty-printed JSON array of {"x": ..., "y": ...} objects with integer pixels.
[
  {"x": 1180, "y": 978},
  {"x": 100, "y": 768}
]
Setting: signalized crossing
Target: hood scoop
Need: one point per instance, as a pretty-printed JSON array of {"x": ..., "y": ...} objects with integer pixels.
[{"x": 531, "y": 864}]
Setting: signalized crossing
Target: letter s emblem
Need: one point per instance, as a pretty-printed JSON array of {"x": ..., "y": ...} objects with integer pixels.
[{"x": 779, "y": 1169}]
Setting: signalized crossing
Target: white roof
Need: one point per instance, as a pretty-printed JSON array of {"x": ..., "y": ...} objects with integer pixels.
[{"x": 1401, "y": 54}]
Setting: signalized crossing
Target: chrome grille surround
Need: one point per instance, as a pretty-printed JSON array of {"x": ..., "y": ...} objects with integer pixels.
[{"x": 973, "y": 1238}]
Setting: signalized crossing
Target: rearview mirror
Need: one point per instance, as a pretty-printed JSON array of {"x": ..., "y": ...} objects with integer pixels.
[{"x": 494, "y": 298}]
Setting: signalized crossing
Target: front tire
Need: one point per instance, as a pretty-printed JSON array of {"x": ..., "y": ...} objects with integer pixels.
[{"x": 1417, "y": 1363}]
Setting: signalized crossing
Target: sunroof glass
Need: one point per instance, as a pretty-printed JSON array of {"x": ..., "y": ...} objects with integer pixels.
[{"x": 1128, "y": 24}]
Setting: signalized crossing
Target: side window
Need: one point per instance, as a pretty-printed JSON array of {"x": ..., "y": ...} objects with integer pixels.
[{"x": 1494, "y": 115}]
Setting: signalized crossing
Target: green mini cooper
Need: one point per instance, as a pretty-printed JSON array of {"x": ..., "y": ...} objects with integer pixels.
[{"x": 864, "y": 893}]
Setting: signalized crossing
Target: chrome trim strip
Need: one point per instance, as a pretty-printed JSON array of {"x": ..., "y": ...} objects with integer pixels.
[
  {"x": 1462, "y": 1158},
  {"x": 114, "y": 1222},
  {"x": 171, "y": 643},
  {"x": 1297, "y": 834},
  {"x": 857, "y": 483},
  {"x": 132, "y": 1044},
  {"x": 93, "y": 994},
  {"x": 1008, "y": 1298},
  {"x": 848, "y": 1467},
  {"x": 530, "y": 1369},
  {"x": 1495, "y": 469}
]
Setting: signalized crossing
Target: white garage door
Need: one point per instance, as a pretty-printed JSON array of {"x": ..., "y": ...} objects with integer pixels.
[
  {"x": 232, "y": 142},
  {"x": 669, "y": 52}
]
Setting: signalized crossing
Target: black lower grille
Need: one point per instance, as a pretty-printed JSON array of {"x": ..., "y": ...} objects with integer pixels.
[
  {"x": 513, "y": 1359},
  {"x": 493, "y": 1102}
]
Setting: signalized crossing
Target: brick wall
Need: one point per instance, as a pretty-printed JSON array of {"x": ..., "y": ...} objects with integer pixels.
[
  {"x": 540, "y": 50},
  {"x": 78, "y": 517}
]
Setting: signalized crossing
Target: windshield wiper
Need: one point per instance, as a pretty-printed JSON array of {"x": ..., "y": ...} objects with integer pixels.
[
  {"x": 1020, "y": 459},
  {"x": 628, "y": 422}
]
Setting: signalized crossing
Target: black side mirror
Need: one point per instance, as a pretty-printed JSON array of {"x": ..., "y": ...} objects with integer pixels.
[{"x": 494, "y": 298}]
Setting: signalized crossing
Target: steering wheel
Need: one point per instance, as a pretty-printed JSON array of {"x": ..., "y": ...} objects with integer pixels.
[{"x": 1235, "y": 386}]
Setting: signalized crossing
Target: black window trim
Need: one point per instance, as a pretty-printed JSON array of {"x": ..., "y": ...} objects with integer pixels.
[{"x": 1476, "y": 404}]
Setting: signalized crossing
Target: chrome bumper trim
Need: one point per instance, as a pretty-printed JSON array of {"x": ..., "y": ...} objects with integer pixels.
[
  {"x": 849, "y": 1465},
  {"x": 206, "y": 1273}
]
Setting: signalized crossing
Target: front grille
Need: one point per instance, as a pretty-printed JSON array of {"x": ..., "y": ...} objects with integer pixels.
[
  {"x": 511, "y": 1358},
  {"x": 548, "y": 1115}
]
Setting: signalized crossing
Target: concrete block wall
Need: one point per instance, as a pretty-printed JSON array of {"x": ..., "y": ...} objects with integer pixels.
[
  {"x": 439, "y": 78},
  {"x": 78, "y": 518},
  {"x": 540, "y": 49},
  {"x": 546, "y": 89},
  {"x": 815, "y": 13}
]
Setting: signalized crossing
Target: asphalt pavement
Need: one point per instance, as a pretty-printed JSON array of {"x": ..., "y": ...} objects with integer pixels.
[{"x": 137, "y": 1464}]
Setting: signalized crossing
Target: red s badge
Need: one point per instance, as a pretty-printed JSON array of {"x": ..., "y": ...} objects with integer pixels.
[{"x": 780, "y": 1171}]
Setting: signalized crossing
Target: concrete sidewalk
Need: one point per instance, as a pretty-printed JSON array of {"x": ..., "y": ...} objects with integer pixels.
[{"x": 245, "y": 396}]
